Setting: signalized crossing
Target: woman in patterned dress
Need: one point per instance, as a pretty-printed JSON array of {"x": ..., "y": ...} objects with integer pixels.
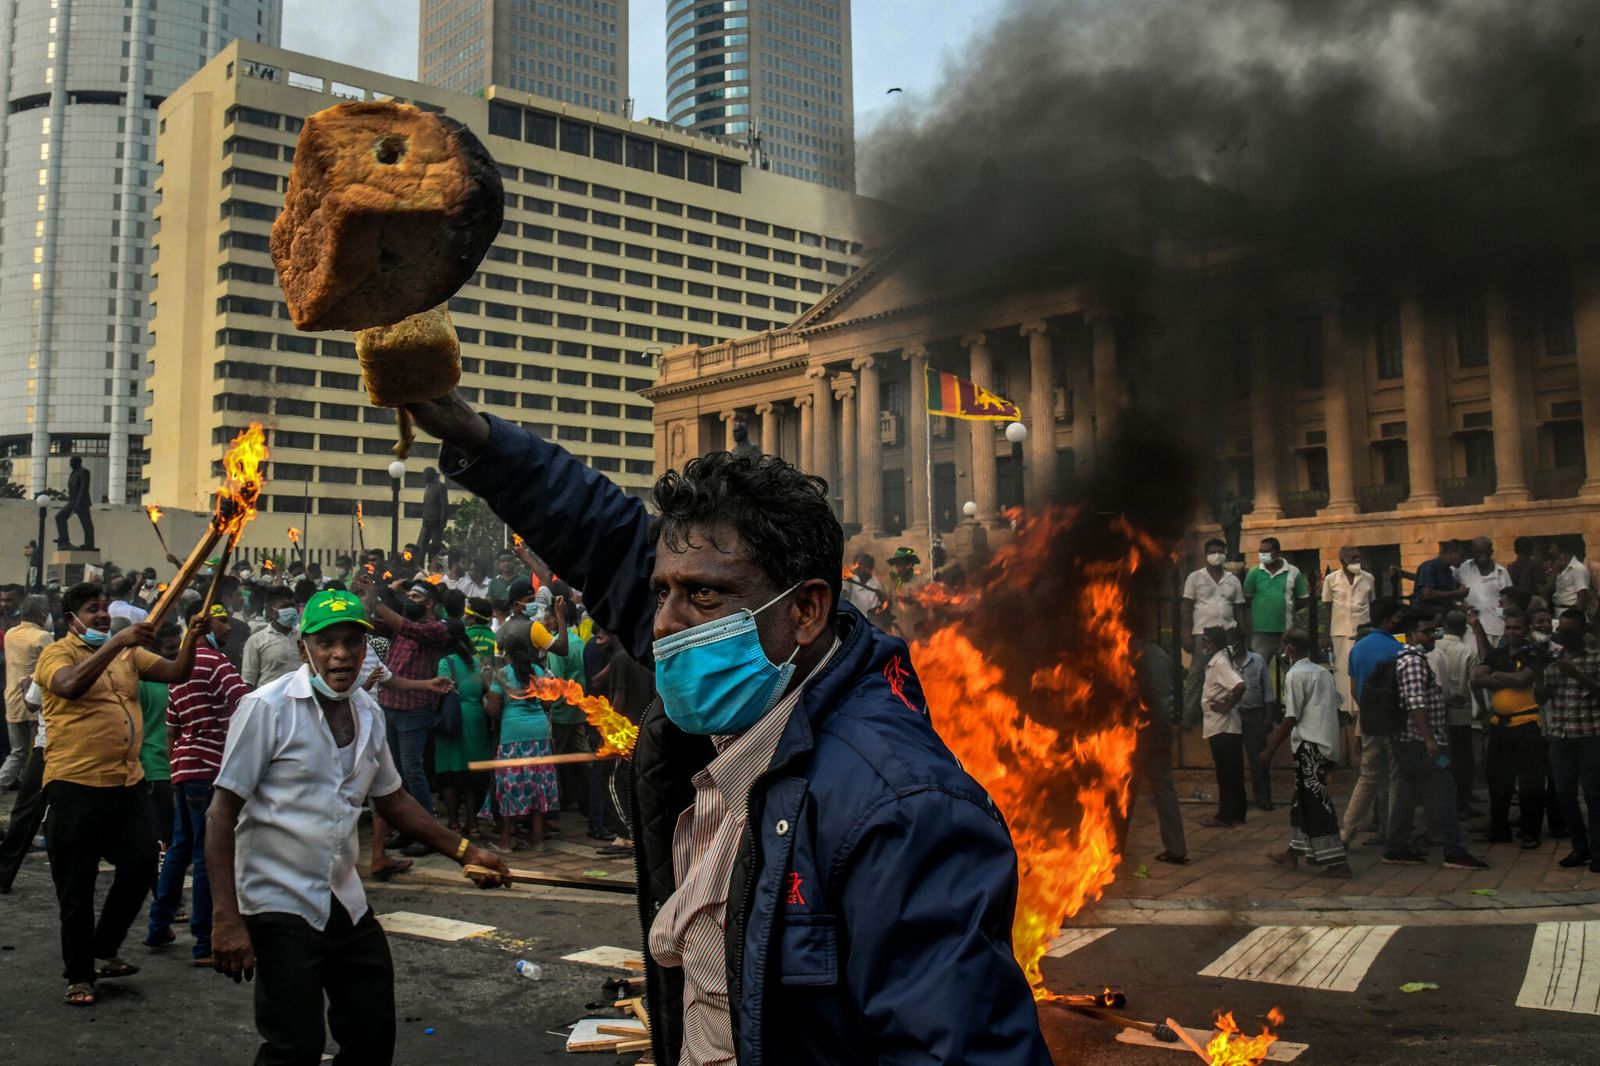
[{"x": 522, "y": 791}]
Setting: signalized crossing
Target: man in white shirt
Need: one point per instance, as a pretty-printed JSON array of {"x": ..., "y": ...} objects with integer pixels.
[
  {"x": 1453, "y": 660},
  {"x": 1484, "y": 579},
  {"x": 865, "y": 591},
  {"x": 1311, "y": 724},
  {"x": 1348, "y": 592},
  {"x": 1211, "y": 597},
  {"x": 1223, "y": 728},
  {"x": 273, "y": 650},
  {"x": 1572, "y": 586},
  {"x": 119, "y": 593},
  {"x": 303, "y": 756}
]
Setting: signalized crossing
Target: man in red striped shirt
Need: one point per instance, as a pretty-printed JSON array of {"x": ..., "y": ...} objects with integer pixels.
[{"x": 197, "y": 728}]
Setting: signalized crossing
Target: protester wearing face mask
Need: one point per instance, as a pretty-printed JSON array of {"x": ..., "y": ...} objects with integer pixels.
[
  {"x": 1484, "y": 579},
  {"x": 197, "y": 727},
  {"x": 1348, "y": 592},
  {"x": 1572, "y": 725},
  {"x": 304, "y": 755},
  {"x": 1211, "y": 597},
  {"x": 1516, "y": 757},
  {"x": 93, "y": 781},
  {"x": 793, "y": 797},
  {"x": 274, "y": 650},
  {"x": 1274, "y": 589}
]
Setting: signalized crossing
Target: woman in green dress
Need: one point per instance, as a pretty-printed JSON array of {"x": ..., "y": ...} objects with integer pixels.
[{"x": 460, "y": 663}]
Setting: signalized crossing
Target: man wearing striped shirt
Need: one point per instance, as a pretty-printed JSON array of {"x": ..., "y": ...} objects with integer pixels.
[{"x": 197, "y": 729}]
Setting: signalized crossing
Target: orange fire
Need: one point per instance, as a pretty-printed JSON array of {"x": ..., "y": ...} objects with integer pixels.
[
  {"x": 1050, "y": 733},
  {"x": 1230, "y": 1047},
  {"x": 619, "y": 734},
  {"x": 516, "y": 538},
  {"x": 294, "y": 535},
  {"x": 360, "y": 519},
  {"x": 236, "y": 500},
  {"x": 154, "y": 512}
]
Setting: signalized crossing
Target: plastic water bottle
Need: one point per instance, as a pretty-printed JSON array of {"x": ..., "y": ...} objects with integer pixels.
[{"x": 531, "y": 970}]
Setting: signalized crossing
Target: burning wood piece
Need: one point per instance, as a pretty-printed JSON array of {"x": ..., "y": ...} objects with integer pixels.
[
  {"x": 543, "y": 760},
  {"x": 155, "y": 513},
  {"x": 1158, "y": 1030},
  {"x": 617, "y": 733},
  {"x": 236, "y": 505},
  {"x": 361, "y": 531},
  {"x": 1190, "y": 1041}
]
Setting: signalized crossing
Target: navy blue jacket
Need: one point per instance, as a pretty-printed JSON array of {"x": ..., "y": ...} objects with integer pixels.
[{"x": 869, "y": 915}]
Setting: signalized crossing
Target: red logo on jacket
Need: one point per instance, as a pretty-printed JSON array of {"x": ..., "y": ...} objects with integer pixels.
[{"x": 795, "y": 898}]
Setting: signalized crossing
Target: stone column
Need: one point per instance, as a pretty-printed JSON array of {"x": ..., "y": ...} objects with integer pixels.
[
  {"x": 849, "y": 459},
  {"x": 1107, "y": 404},
  {"x": 1336, "y": 385},
  {"x": 1586, "y": 322},
  {"x": 1264, "y": 441},
  {"x": 1505, "y": 403},
  {"x": 807, "y": 433},
  {"x": 823, "y": 463},
  {"x": 869, "y": 458},
  {"x": 985, "y": 482},
  {"x": 769, "y": 428},
  {"x": 1039, "y": 415},
  {"x": 728, "y": 419},
  {"x": 917, "y": 432},
  {"x": 1419, "y": 407}
]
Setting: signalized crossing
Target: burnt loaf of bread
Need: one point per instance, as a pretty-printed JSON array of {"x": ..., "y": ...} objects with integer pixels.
[{"x": 389, "y": 211}]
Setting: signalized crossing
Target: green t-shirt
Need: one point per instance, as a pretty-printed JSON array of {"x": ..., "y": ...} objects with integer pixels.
[
  {"x": 570, "y": 667},
  {"x": 153, "y": 752},
  {"x": 1269, "y": 606},
  {"x": 520, "y": 720},
  {"x": 483, "y": 642}
]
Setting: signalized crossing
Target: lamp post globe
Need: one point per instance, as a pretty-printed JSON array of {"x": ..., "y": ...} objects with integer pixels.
[
  {"x": 970, "y": 509},
  {"x": 397, "y": 471},
  {"x": 1016, "y": 432}
]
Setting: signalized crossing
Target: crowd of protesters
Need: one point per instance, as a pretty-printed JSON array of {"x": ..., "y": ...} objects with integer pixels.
[
  {"x": 118, "y": 730},
  {"x": 1480, "y": 674}
]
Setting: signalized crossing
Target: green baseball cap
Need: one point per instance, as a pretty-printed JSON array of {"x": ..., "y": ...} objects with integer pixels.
[{"x": 331, "y": 607}]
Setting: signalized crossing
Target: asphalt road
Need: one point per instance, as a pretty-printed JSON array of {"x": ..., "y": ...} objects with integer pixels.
[{"x": 479, "y": 1009}]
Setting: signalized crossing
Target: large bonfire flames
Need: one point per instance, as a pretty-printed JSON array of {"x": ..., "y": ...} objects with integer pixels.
[{"x": 1051, "y": 739}]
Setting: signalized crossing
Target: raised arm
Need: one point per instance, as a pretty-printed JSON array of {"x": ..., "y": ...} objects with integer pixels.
[{"x": 585, "y": 527}]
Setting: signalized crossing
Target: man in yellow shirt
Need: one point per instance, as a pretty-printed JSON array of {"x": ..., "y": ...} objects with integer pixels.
[{"x": 99, "y": 799}]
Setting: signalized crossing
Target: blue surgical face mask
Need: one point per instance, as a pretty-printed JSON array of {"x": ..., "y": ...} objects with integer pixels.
[
  {"x": 715, "y": 679},
  {"x": 287, "y": 617},
  {"x": 93, "y": 637},
  {"x": 211, "y": 638},
  {"x": 323, "y": 687}
]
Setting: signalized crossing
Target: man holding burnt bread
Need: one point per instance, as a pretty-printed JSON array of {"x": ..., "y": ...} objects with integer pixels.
[{"x": 819, "y": 880}]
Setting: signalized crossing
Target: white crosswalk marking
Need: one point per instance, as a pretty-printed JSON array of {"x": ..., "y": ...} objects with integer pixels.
[
  {"x": 1071, "y": 940},
  {"x": 1304, "y": 956},
  {"x": 1563, "y": 968}
]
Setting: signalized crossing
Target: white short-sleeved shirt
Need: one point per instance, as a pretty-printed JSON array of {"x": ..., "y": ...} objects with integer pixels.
[
  {"x": 1213, "y": 600},
  {"x": 1349, "y": 600},
  {"x": 1569, "y": 582},
  {"x": 1312, "y": 700},
  {"x": 1221, "y": 679},
  {"x": 296, "y": 838},
  {"x": 1483, "y": 593}
]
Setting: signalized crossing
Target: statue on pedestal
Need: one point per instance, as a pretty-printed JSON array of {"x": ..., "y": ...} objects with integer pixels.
[
  {"x": 78, "y": 497},
  {"x": 741, "y": 440}
]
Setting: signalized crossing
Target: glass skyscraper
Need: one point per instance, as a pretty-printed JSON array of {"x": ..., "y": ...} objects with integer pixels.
[
  {"x": 775, "y": 72},
  {"x": 575, "y": 51}
]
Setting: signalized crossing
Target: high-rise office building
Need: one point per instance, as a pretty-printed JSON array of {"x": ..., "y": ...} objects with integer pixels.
[
  {"x": 776, "y": 72},
  {"x": 81, "y": 81},
  {"x": 575, "y": 51},
  {"x": 621, "y": 240}
]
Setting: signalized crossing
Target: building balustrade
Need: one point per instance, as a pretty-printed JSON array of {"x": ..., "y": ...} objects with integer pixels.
[
  {"x": 1380, "y": 498},
  {"x": 1560, "y": 484},
  {"x": 1466, "y": 491},
  {"x": 1303, "y": 504}
]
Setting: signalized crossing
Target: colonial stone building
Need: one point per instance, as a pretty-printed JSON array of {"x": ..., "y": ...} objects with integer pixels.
[{"x": 1444, "y": 388}]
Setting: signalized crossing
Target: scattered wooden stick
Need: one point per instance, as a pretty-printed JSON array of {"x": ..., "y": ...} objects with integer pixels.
[
  {"x": 542, "y": 760},
  {"x": 1183, "y": 1035},
  {"x": 481, "y": 875}
]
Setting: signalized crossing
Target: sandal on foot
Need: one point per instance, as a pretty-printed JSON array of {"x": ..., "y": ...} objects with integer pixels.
[
  {"x": 115, "y": 967},
  {"x": 80, "y": 994},
  {"x": 398, "y": 867}
]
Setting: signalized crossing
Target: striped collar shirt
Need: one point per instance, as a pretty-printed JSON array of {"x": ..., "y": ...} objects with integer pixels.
[
  {"x": 197, "y": 715},
  {"x": 688, "y": 930}
]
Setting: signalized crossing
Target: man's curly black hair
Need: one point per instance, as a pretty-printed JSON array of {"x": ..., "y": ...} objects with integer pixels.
[{"x": 782, "y": 515}]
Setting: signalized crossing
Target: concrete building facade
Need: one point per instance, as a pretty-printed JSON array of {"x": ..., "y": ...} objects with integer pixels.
[
  {"x": 575, "y": 51},
  {"x": 775, "y": 72},
  {"x": 620, "y": 239},
  {"x": 81, "y": 81},
  {"x": 1391, "y": 407}
]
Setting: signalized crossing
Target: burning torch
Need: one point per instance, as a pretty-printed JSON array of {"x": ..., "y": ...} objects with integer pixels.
[
  {"x": 236, "y": 505},
  {"x": 154, "y": 513},
  {"x": 361, "y": 530},
  {"x": 295, "y": 546}
]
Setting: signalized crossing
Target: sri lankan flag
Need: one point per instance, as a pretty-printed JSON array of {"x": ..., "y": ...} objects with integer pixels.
[{"x": 959, "y": 398}]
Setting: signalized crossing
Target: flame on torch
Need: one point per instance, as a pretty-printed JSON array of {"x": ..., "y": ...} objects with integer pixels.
[
  {"x": 154, "y": 512},
  {"x": 236, "y": 500},
  {"x": 155, "y": 523},
  {"x": 618, "y": 734},
  {"x": 294, "y": 535},
  {"x": 360, "y": 519}
]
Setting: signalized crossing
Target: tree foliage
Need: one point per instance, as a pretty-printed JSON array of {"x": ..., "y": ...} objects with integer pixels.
[{"x": 475, "y": 533}]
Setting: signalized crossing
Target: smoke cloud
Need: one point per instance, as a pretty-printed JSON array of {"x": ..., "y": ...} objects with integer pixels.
[{"x": 1270, "y": 117}]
